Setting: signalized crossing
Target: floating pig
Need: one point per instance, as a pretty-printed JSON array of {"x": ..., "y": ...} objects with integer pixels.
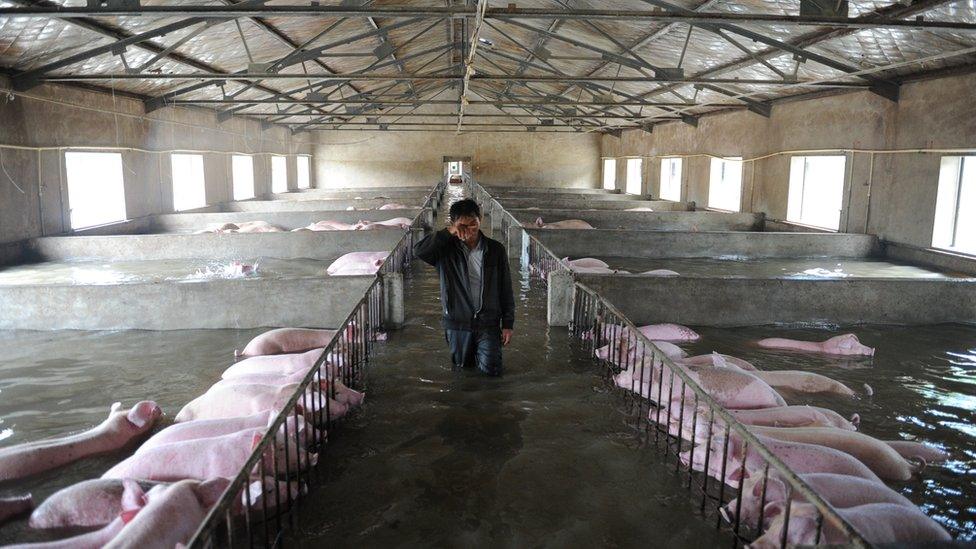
[
  {"x": 567, "y": 224},
  {"x": 393, "y": 206},
  {"x": 846, "y": 344},
  {"x": 171, "y": 515},
  {"x": 879, "y": 523},
  {"x": 12, "y": 507},
  {"x": 795, "y": 416},
  {"x": 247, "y": 399},
  {"x": 92, "y": 540},
  {"x": 585, "y": 262},
  {"x": 798, "y": 456},
  {"x": 327, "y": 225},
  {"x": 730, "y": 388},
  {"x": 661, "y": 272},
  {"x": 281, "y": 364},
  {"x": 656, "y": 332},
  {"x": 89, "y": 504},
  {"x": 287, "y": 340},
  {"x": 640, "y": 209},
  {"x": 794, "y": 380},
  {"x": 881, "y": 458},
  {"x": 122, "y": 428},
  {"x": 917, "y": 450},
  {"x": 393, "y": 223},
  {"x": 207, "y": 458},
  {"x": 210, "y": 428},
  {"x": 840, "y": 491},
  {"x": 357, "y": 263}
]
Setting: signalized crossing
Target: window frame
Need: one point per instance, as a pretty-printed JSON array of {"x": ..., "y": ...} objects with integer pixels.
[
  {"x": 797, "y": 209},
  {"x": 284, "y": 159},
  {"x": 725, "y": 161},
  {"x": 203, "y": 179},
  {"x": 298, "y": 171},
  {"x": 233, "y": 175},
  {"x": 640, "y": 176},
  {"x": 956, "y": 166},
  {"x": 672, "y": 160},
  {"x": 67, "y": 189},
  {"x": 612, "y": 171}
]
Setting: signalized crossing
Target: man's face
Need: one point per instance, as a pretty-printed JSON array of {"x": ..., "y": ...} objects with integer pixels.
[{"x": 468, "y": 227}]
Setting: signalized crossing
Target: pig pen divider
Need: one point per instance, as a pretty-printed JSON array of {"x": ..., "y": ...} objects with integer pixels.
[
  {"x": 663, "y": 396},
  {"x": 541, "y": 260},
  {"x": 299, "y": 431}
]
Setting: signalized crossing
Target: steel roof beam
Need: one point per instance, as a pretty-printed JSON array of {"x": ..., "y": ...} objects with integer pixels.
[{"x": 672, "y": 14}]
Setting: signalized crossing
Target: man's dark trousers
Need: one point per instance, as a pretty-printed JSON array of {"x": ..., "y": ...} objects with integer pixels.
[{"x": 482, "y": 348}]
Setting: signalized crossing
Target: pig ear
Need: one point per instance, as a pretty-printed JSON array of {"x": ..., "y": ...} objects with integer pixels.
[
  {"x": 255, "y": 440},
  {"x": 133, "y": 499},
  {"x": 114, "y": 407},
  {"x": 538, "y": 222},
  {"x": 209, "y": 492},
  {"x": 773, "y": 509},
  {"x": 719, "y": 360}
]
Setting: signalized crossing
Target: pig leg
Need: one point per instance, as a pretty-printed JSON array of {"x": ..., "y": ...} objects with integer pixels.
[{"x": 118, "y": 431}]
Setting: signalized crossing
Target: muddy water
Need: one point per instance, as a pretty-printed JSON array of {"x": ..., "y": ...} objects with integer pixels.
[
  {"x": 540, "y": 457},
  {"x": 779, "y": 267},
  {"x": 63, "y": 382},
  {"x": 924, "y": 381},
  {"x": 161, "y": 270}
]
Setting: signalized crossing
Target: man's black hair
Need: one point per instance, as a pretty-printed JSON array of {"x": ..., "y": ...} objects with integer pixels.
[{"x": 463, "y": 208}]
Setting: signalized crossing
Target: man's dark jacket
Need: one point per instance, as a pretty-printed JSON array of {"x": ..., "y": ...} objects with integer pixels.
[{"x": 444, "y": 251}]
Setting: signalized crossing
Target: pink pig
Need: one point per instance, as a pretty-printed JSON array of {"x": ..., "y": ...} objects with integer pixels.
[
  {"x": 392, "y": 223},
  {"x": 879, "y": 523},
  {"x": 393, "y": 206},
  {"x": 208, "y": 458},
  {"x": 210, "y": 428},
  {"x": 89, "y": 504},
  {"x": 287, "y": 340},
  {"x": 283, "y": 364},
  {"x": 846, "y": 344},
  {"x": 171, "y": 515},
  {"x": 357, "y": 263},
  {"x": 567, "y": 224},
  {"x": 118, "y": 431}
]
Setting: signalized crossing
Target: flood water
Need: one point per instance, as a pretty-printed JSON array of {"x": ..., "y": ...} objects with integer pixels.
[
  {"x": 158, "y": 270},
  {"x": 813, "y": 268},
  {"x": 924, "y": 382},
  {"x": 541, "y": 457},
  {"x": 63, "y": 382}
]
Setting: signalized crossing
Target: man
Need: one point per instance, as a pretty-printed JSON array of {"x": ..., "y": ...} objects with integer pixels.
[{"x": 476, "y": 288}]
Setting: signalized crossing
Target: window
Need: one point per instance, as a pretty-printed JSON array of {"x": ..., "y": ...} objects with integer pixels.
[
  {"x": 96, "y": 194},
  {"x": 816, "y": 190},
  {"x": 454, "y": 168},
  {"x": 725, "y": 184},
  {"x": 189, "y": 190},
  {"x": 304, "y": 169},
  {"x": 671, "y": 179},
  {"x": 609, "y": 173},
  {"x": 279, "y": 174},
  {"x": 243, "y": 171},
  {"x": 634, "y": 176},
  {"x": 955, "y": 207}
]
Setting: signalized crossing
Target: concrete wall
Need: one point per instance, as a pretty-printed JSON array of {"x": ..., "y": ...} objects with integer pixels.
[
  {"x": 891, "y": 195},
  {"x": 50, "y": 118},
  {"x": 350, "y": 159}
]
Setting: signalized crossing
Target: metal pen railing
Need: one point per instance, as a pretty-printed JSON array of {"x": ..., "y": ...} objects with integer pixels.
[
  {"x": 246, "y": 513},
  {"x": 402, "y": 253},
  {"x": 707, "y": 442},
  {"x": 541, "y": 260}
]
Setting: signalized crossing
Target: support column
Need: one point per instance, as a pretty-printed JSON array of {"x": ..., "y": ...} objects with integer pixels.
[
  {"x": 560, "y": 298},
  {"x": 393, "y": 301}
]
